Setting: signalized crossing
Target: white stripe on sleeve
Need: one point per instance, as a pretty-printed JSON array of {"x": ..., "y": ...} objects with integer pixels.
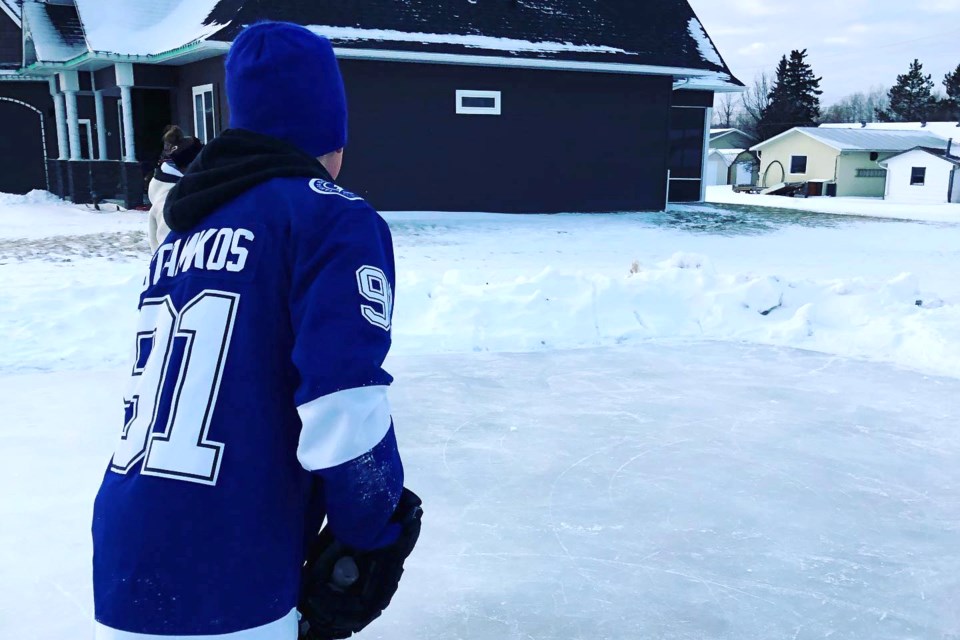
[
  {"x": 285, "y": 627},
  {"x": 342, "y": 426}
]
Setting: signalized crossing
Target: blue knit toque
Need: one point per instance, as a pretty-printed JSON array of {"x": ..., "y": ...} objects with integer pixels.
[{"x": 283, "y": 81}]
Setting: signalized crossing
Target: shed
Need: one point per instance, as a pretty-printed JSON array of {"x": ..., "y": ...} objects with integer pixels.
[
  {"x": 571, "y": 105},
  {"x": 923, "y": 175}
]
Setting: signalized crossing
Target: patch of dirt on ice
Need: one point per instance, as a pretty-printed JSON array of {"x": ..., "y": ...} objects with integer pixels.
[{"x": 120, "y": 246}]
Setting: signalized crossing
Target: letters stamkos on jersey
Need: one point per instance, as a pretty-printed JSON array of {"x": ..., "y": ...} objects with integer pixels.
[{"x": 211, "y": 250}]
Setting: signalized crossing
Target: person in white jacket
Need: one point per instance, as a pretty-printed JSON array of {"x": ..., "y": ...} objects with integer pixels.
[{"x": 164, "y": 178}]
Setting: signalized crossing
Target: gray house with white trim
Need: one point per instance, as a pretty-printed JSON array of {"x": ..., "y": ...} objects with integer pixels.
[{"x": 581, "y": 105}]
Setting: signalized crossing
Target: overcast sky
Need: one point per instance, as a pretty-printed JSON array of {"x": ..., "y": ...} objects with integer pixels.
[{"x": 853, "y": 44}]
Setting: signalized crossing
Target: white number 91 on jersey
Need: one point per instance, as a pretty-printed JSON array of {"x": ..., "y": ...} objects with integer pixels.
[{"x": 375, "y": 288}]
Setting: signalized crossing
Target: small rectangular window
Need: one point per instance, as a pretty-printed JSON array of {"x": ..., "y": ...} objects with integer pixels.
[
  {"x": 798, "y": 164},
  {"x": 478, "y": 103},
  {"x": 204, "y": 113},
  {"x": 918, "y": 176},
  {"x": 871, "y": 173}
]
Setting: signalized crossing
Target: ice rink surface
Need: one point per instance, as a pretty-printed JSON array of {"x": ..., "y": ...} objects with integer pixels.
[{"x": 670, "y": 491}]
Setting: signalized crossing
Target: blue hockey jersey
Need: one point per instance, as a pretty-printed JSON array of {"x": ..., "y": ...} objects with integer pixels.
[{"x": 257, "y": 401}]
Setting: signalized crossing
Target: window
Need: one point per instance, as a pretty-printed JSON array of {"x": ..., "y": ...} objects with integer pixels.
[
  {"x": 918, "y": 176},
  {"x": 871, "y": 173},
  {"x": 798, "y": 164},
  {"x": 478, "y": 103},
  {"x": 204, "y": 113},
  {"x": 86, "y": 139}
]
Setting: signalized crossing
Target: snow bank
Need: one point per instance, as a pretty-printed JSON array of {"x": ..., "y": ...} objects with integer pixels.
[
  {"x": 40, "y": 214},
  {"x": 34, "y": 197},
  {"x": 865, "y": 207},
  {"x": 86, "y": 321},
  {"x": 682, "y": 297}
]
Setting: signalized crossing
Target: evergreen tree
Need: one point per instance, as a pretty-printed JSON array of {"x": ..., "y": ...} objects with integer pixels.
[
  {"x": 951, "y": 82},
  {"x": 911, "y": 98},
  {"x": 794, "y": 97}
]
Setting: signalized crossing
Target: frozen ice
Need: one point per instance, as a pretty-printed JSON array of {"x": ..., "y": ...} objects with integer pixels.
[{"x": 685, "y": 491}]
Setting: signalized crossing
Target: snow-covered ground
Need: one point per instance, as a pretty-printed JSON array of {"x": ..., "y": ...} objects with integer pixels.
[
  {"x": 618, "y": 423},
  {"x": 869, "y": 207}
]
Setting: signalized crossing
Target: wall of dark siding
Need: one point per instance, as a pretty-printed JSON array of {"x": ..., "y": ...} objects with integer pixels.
[
  {"x": 194, "y": 75},
  {"x": 566, "y": 141},
  {"x": 11, "y": 45},
  {"x": 21, "y": 144}
]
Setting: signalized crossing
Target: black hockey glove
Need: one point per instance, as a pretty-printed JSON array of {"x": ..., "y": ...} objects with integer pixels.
[{"x": 343, "y": 589}]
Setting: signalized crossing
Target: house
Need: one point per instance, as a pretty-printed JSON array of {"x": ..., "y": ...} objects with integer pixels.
[
  {"x": 835, "y": 161},
  {"x": 923, "y": 175},
  {"x": 731, "y": 139},
  {"x": 579, "y": 105},
  {"x": 729, "y": 161}
]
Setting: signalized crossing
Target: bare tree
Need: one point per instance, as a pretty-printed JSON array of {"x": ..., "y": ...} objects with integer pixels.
[
  {"x": 858, "y": 107},
  {"x": 755, "y": 101},
  {"x": 725, "y": 110}
]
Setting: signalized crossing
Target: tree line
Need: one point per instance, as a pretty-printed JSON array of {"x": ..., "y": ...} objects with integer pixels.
[{"x": 790, "y": 97}]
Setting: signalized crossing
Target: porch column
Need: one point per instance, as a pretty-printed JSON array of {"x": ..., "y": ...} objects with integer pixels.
[
  {"x": 70, "y": 83},
  {"x": 707, "y": 121},
  {"x": 101, "y": 126},
  {"x": 124, "y": 71},
  {"x": 60, "y": 112}
]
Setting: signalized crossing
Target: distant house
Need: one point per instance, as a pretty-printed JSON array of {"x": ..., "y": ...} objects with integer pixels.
[
  {"x": 573, "y": 105},
  {"x": 923, "y": 175},
  {"x": 731, "y": 139},
  {"x": 835, "y": 161},
  {"x": 729, "y": 161}
]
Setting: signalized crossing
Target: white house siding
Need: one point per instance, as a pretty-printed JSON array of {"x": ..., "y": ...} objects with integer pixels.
[
  {"x": 956, "y": 185},
  {"x": 716, "y": 170},
  {"x": 936, "y": 185}
]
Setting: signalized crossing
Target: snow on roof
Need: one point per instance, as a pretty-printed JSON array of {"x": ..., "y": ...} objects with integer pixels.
[
  {"x": 719, "y": 133},
  {"x": 875, "y": 140},
  {"x": 664, "y": 33},
  {"x": 139, "y": 28},
  {"x": 945, "y": 130},
  {"x": 937, "y": 153},
  {"x": 704, "y": 45},
  {"x": 340, "y": 34},
  {"x": 54, "y": 31},
  {"x": 730, "y": 156},
  {"x": 864, "y": 139}
]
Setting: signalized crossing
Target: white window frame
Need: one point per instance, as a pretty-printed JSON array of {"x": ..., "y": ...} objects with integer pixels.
[
  {"x": 204, "y": 136},
  {"x": 923, "y": 182},
  {"x": 86, "y": 122},
  {"x": 806, "y": 165},
  {"x": 123, "y": 140},
  {"x": 478, "y": 111}
]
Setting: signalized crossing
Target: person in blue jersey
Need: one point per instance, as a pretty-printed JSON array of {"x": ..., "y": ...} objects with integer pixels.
[{"x": 257, "y": 404}]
